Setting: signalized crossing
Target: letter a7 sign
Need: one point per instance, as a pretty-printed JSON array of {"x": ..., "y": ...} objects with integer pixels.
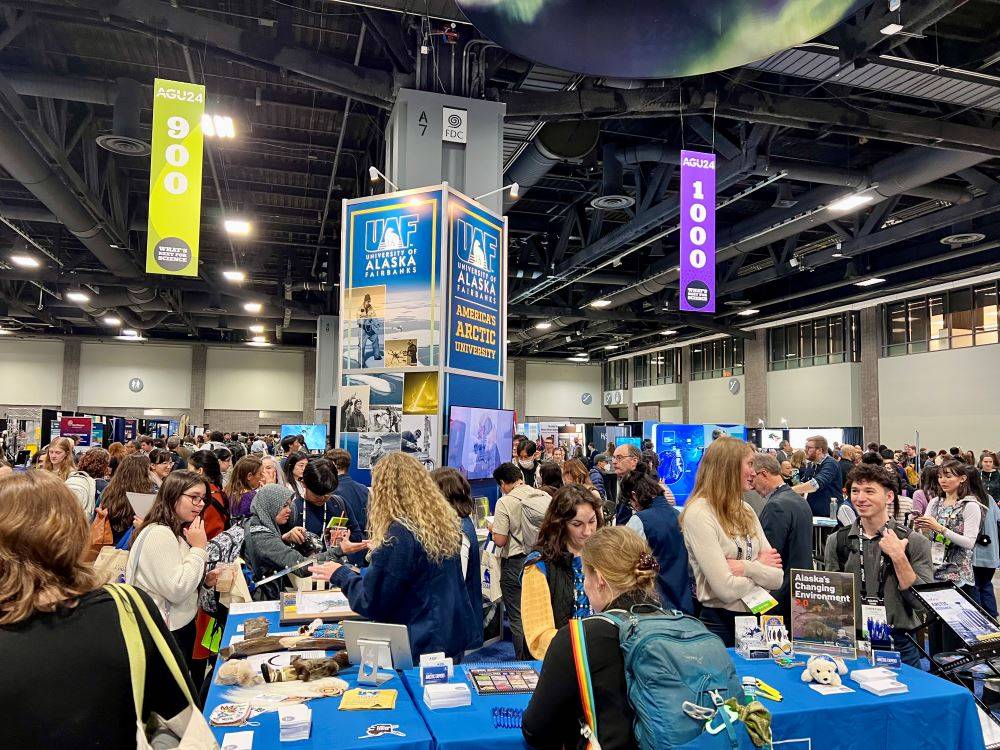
[{"x": 697, "y": 232}]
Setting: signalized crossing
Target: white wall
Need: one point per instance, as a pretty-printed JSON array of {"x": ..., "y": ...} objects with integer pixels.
[
  {"x": 654, "y": 394},
  {"x": 256, "y": 380},
  {"x": 672, "y": 413},
  {"x": 556, "y": 390},
  {"x": 106, "y": 369},
  {"x": 710, "y": 401},
  {"x": 822, "y": 396},
  {"x": 31, "y": 372},
  {"x": 949, "y": 396}
]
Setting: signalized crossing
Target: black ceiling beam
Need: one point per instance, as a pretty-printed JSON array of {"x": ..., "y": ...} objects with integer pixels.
[
  {"x": 582, "y": 313},
  {"x": 857, "y": 40},
  {"x": 706, "y": 323},
  {"x": 714, "y": 136},
  {"x": 160, "y": 19},
  {"x": 391, "y": 40}
]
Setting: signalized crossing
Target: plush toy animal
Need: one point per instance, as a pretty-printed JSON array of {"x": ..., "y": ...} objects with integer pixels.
[{"x": 824, "y": 670}]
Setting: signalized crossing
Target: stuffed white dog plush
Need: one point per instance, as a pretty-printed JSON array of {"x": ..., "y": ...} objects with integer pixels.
[{"x": 824, "y": 670}]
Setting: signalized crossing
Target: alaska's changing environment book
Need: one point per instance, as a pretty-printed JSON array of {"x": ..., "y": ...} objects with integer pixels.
[{"x": 823, "y": 616}]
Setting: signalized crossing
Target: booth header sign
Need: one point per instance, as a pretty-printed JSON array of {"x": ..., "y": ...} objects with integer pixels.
[
  {"x": 175, "y": 178},
  {"x": 697, "y": 245},
  {"x": 81, "y": 428},
  {"x": 474, "y": 294}
]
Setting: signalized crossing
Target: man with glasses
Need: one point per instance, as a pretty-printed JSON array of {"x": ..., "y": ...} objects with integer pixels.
[
  {"x": 821, "y": 477},
  {"x": 787, "y": 524},
  {"x": 625, "y": 458}
]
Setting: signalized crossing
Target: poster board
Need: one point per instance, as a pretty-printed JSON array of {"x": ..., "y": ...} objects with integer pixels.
[{"x": 823, "y": 613}]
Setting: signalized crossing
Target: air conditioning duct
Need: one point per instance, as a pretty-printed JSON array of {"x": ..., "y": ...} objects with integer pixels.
[{"x": 555, "y": 142}]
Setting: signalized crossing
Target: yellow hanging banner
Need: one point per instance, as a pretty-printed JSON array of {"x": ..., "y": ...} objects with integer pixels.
[{"x": 175, "y": 178}]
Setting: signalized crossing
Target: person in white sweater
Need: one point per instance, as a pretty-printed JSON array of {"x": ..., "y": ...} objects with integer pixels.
[
  {"x": 731, "y": 559},
  {"x": 167, "y": 558}
]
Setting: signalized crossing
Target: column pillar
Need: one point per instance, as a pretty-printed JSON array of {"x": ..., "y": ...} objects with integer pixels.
[
  {"x": 71, "y": 375},
  {"x": 682, "y": 387},
  {"x": 199, "y": 364},
  {"x": 518, "y": 376},
  {"x": 871, "y": 343},
  {"x": 310, "y": 415},
  {"x": 755, "y": 378}
]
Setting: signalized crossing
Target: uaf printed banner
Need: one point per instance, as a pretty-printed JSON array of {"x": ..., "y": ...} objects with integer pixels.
[
  {"x": 475, "y": 291},
  {"x": 391, "y": 270}
]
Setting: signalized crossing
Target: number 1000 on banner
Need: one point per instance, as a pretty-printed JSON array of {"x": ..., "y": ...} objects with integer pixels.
[{"x": 697, "y": 246}]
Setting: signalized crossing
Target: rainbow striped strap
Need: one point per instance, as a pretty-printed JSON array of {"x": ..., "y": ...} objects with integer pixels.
[{"x": 579, "y": 646}]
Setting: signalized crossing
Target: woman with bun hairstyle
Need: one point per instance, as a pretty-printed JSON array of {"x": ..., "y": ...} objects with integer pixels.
[
  {"x": 729, "y": 553},
  {"x": 658, "y": 522},
  {"x": 552, "y": 580},
  {"x": 619, "y": 572}
]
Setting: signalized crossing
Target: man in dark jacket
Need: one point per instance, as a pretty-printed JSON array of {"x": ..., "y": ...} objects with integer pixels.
[
  {"x": 602, "y": 466},
  {"x": 787, "y": 523},
  {"x": 354, "y": 494},
  {"x": 821, "y": 479}
]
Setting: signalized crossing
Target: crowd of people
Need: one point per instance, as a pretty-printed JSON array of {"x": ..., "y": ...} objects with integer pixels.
[{"x": 577, "y": 532}]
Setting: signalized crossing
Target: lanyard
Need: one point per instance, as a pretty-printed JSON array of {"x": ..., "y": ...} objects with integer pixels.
[
  {"x": 739, "y": 550},
  {"x": 883, "y": 569}
]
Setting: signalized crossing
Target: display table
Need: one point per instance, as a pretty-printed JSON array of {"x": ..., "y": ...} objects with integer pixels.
[
  {"x": 331, "y": 728},
  {"x": 934, "y": 714}
]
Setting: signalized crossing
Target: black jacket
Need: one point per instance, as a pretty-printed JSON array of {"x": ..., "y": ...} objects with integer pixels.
[
  {"x": 787, "y": 523},
  {"x": 552, "y": 719}
]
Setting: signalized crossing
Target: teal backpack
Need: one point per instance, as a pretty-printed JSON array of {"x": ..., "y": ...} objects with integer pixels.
[{"x": 675, "y": 669}]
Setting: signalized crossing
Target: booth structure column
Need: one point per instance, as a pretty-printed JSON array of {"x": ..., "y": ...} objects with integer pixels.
[
  {"x": 199, "y": 365},
  {"x": 871, "y": 343},
  {"x": 755, "y": 379},
  {"x": 71, "y": 375},
  {"x": 682, "y": 387},
  {"x": 309, "y": 413},
  {"x": 518, "y": 377}
]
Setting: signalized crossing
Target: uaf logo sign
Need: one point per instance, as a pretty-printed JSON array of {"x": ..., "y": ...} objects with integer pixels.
[
  {"x": 455, "y": 123},
  {"x": 388, "y": 250},
  {"x": 477, "y": 257}
]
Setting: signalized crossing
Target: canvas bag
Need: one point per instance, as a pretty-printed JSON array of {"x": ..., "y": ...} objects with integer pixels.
[
  {"x": 100, "y": 537},
  {"x": 489, "y": 568},
  {"x": 188, "y": 730}
]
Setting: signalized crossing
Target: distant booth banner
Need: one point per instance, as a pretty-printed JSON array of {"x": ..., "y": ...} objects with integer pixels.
[{"x": 423, "y": 308}]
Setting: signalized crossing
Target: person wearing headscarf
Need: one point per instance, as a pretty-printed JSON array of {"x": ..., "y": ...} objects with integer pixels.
[{"x": 266, "y": 552}]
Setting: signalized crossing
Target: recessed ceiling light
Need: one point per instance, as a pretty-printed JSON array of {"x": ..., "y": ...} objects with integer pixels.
[
  {"x": 578, "y": 358},
  {"x": 836, "y": 255},
  {"x": 234, "y": 275},
  {"x": 748, "y": 312},
  {"x": 668, "y": 332},
  {"x": 129, "y": 332},
  {"x": 253, "y": 307},
  {"x": 611, "y": 346},
  {"x": 850, "y": 202},
  {"x": 77, "y": 297},
  {"x": 239, "y": 227},
  {"x": 257, "y": 328},
  {"x": 24, "y": 261},
  {"x": 258, "y": 343},
  {"x": 543, "y": 326},
  {"x": 873, "y": 281},
  {"x": 111, "y": 320},
  {"x": 258, "y": 339},
  {"x": 599, "y": 303},
  {"x": 218, "y": 126},
  {"x": 4, "y": 332},
  {"x": 891, "y": 28}
]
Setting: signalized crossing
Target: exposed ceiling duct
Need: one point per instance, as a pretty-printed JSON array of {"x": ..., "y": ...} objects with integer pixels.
[
  {"x": 125, "y": 138},
  {"x": 558, "y": 141},
  {"x": 613, "y": 196}
]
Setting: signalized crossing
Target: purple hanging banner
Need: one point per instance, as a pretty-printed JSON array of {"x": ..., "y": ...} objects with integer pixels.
[{"x": 697, "y": 232}]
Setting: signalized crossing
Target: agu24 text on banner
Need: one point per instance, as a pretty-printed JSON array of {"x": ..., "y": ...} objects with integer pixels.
[
  {"x": 175, "y": 178},
  {"x": 697, "y": 245}
]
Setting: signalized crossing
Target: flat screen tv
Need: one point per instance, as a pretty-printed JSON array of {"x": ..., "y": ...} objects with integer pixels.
[
  {"x": 315, "y": 434},
  {"x": 479, "y": 440}
]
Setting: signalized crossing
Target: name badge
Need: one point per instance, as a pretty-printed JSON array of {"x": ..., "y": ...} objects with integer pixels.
[{"x": 937, "y": 553}]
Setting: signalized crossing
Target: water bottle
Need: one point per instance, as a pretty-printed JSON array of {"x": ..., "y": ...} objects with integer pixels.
[
  {"x": 833, "y": 508},
  {"x": 749, "y": 690}
]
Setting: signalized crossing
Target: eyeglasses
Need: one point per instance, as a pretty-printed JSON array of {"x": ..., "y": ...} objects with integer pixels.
[{"x": 195, "y": 499}]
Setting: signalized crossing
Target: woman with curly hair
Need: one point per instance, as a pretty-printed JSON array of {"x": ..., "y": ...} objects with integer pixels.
[{"x": 415, "y": 574}]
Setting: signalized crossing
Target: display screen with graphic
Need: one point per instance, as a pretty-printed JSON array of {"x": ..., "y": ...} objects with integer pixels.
[
  {"x": 315, "y": 434},
  {"x": 680, "y": 448},
  {"x": 479, "y": 440},
  {"x": 475, "y": 326},
  {"x": 605, "y": 433},
  {"x": 81, "y": 428},
  {"x": 798, "y": 437},
  {"x": 771, "y": 437},
  {"x": 652, "y": 38}
]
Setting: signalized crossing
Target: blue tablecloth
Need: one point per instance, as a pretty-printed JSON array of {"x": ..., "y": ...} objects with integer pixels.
[
  {"x": 331, "y": 728},
  {"x": 934, "y": 714}
]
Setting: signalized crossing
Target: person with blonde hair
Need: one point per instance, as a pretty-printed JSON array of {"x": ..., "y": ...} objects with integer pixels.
[
  {"x": 730, "y": 556},
  {"x": 415, "y": 573},
  {"x": 59, "y": 460},
  {"x": 619, "y": 573},
  {"x": 56, "y": 622},
  {"x": 248, "y": 476}
]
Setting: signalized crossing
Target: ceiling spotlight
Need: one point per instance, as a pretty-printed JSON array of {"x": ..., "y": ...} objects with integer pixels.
[
  {"x": 891, "y": 28},
  {"x": 599, "y": 303},
  {"x": 611, "y": 346},
  {"x": 24, "y": 261},
  {"x": 218, "y": 126},
  {"x": 873, "y": 281},
  {"x": 375, "y": 174},
  {"x": 748, "y": 312},
  {"x": 111, "y": 320},
  {"x": 850, "y": 202},
  {"x": 258, "y": 339},
  {"x": 515, "y": 192},
  {"x": 836, "y": 255},
  {"x": 77, "y": 297},
  {"x": 129, "y": 333},
  {"x": 543, "y": 326},
  {"x": 239, "y": 227},
  {"x": 261, "y": 342},
  {"x": 668, "y": 332},
  {"x": 4, "y": 332},
  {"x": 253, "y": 307},
  {"x": 257, "y": 328},
  {"x": 578, "y": 358},
  {"x": 234, "y": 275}
]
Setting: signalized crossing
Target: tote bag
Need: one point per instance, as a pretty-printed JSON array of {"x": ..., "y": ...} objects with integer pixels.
[{"x": 188, "y": 730}]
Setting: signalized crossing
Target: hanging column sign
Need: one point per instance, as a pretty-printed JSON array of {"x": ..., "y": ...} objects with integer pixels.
[
  {"x": 697, "y": 232},
  {"x": 175, "y": 178}
]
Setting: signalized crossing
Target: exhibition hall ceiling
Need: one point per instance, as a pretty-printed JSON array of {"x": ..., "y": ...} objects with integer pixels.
[{"x": 843, "y": 99}]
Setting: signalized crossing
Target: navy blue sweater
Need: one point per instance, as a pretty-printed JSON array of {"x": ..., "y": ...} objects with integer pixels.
[
  {"x": 355, "y": 495},
  {"x": 660, "y": 523},
  {"x": 403, "y": 587},
  {"x": 827, "y": 476},
  {"x": 474, "y": 583}
]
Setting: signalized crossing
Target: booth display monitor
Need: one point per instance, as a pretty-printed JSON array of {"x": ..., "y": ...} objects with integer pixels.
[
  {"x": 798, "y": 437},
  {"x": 680, "y": 448},
  {"x": 314, "y": 434},
  {"x": 771, "y": 437},
  {"x": 479, "y": 440}
]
